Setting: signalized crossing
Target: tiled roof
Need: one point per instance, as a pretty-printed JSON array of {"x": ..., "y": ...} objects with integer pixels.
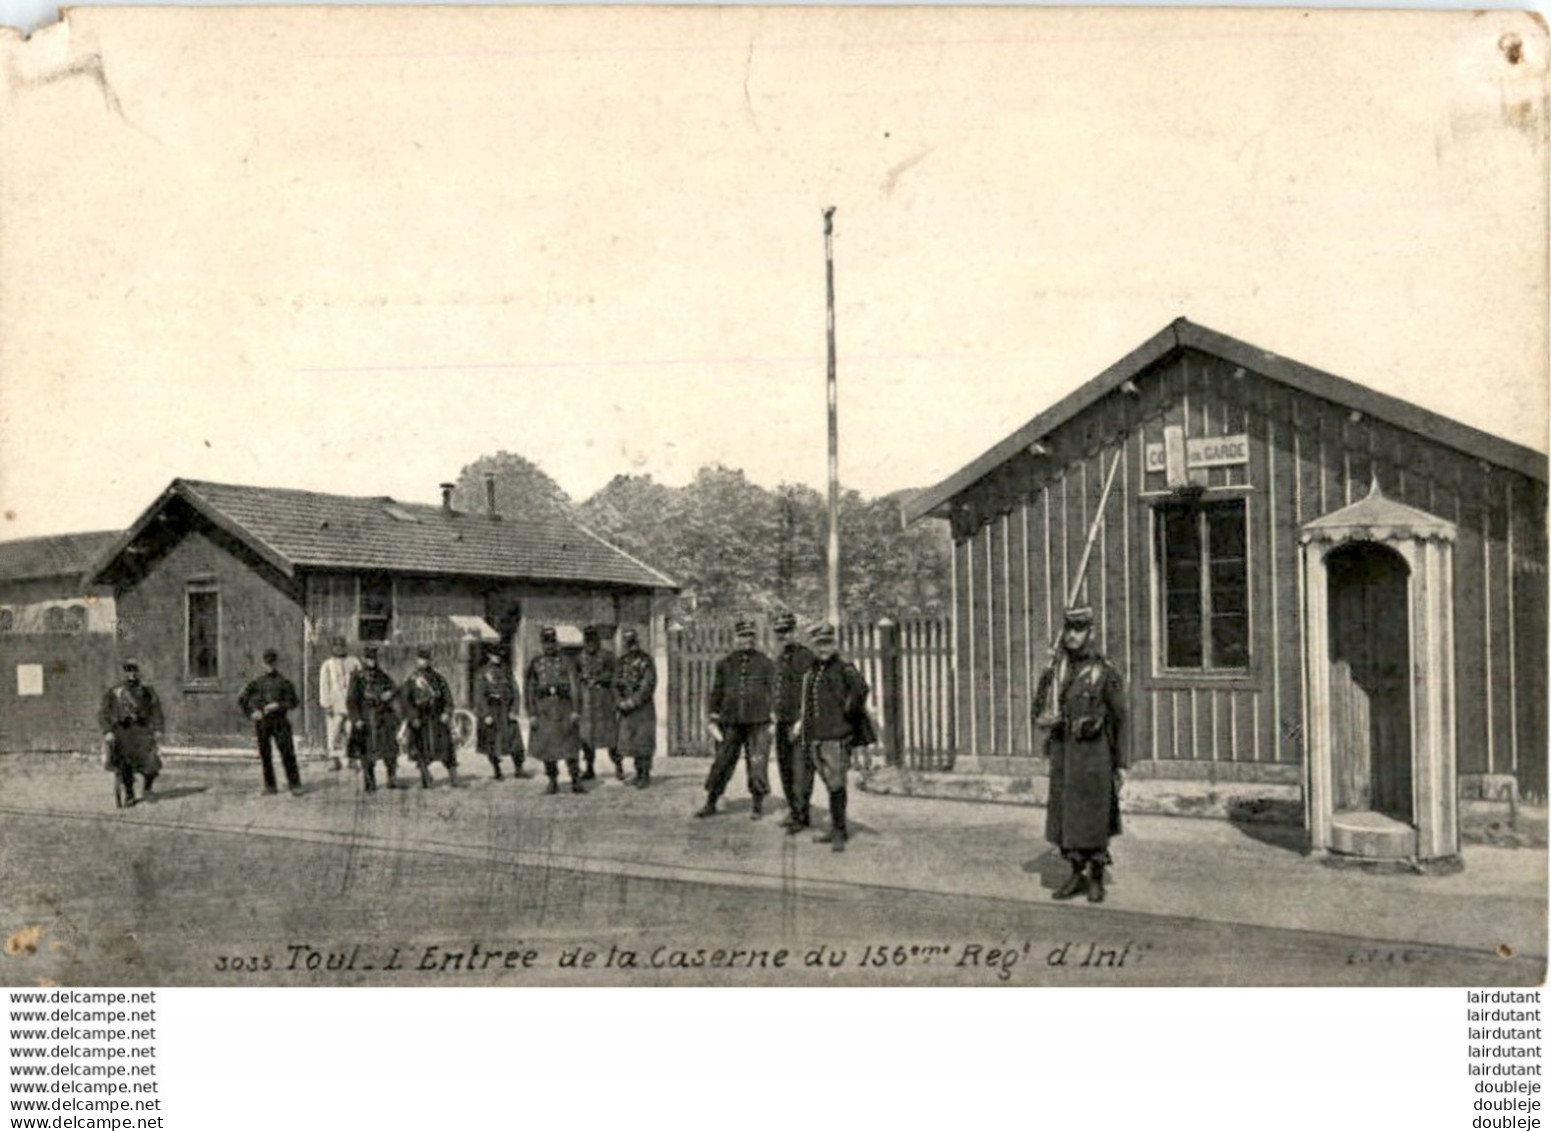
[
  {"x": 307, "y": 530},
  {"x": 58, "y": 555}
]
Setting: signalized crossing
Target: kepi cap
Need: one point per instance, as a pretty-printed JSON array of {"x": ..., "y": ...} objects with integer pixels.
[
  {"x": 548, "y": 635},
  {"x": 270, "y": 655},
  {"x": 423, "y": 652},
  {"x": 1080, "y": 616},
  {"x": 744, "y": 628},
  {"x": 784, "y": 623},
  {"x": 630, "y": 636},
  {"x": 822, "y": 632}
]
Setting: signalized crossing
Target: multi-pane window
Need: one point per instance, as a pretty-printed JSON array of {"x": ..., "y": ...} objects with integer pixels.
[
  {"x": 1203, "y": 585},
  {"x": 204, "y": 631},
  {"x": 375, "y": 607}
]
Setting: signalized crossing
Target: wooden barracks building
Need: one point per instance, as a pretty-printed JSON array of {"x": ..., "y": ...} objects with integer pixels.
[
  {"x": 212, "y": 574},
  {"x": 1303, "y": 581}
]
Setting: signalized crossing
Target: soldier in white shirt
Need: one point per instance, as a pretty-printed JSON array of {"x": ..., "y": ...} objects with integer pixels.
[{"x": 333, "y": 697}]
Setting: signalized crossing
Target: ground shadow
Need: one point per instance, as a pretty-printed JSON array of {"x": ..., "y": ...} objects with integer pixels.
[
  {"x": 1051, "y": 868},
  {"x": 175, "y": 792},
  {"x": 1277, "y": 823}
]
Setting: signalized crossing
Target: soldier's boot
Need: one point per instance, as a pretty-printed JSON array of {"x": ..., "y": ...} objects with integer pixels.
[
  {"x": 758, "y": 807},
  {"x": 452, "y": 775},
  {"x": 1075, "y": 883},
  {"x": 643, "y": 773},
  {"x": 619, "y": 766},
  {"x": 589, "y": 760},
  {"x": 127, "y": 787},
  {"x": 518, "y": 771},
  {"x": 425, "y": 776},
  {"x": 149, "y": 780},
  {"x": 495, "y": 766},
  {"x": 577, "y": 776},
  {"x": 709, "y": 808},
  {"x": 1096, "y": 881},
  {"x": 837, "y": 835},
  {"x": 393, "y": 775},
  {"x": 552, "y": 772}
]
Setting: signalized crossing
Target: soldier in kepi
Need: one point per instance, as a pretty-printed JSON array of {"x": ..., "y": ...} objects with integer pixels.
[
  {"x": 268, "y": 701},
  {"x": 635, "y": 684},
  {"x": 426, "y": 700},
  {"x": 740, "y": 708},
  {"x": 550, "y": 691},
  {"x": 1080, "y": 706},
  {"x": 372, "y": 703},
  {"x": 131, "y": 722},
  {"x": 496, "y": 701},
  {"x": 599, "y": 719},
  {"x": 834, "y": 722},
  {"x": 792, "y": 662}
]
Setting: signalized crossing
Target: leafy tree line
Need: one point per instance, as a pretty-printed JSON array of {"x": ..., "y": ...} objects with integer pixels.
[{"x": 736, "y": 547}]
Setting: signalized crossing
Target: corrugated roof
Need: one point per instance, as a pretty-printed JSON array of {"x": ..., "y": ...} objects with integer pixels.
[
  {"x": 57, "y": 555},
  {"x": 308, "y": 530},
  {"x": 1184, "y": 334}
]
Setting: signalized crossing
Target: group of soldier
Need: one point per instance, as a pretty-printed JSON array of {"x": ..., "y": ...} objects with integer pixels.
[
  {"x": 575, "y": 709},
  {"x": 812, "y": 700}
]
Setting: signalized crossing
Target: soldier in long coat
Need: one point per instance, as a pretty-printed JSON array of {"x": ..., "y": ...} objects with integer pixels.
[
  {"x": 496, "y": 705},
  {"x": 635, "y": 685},
  {"x": 792, "y": 661},
  {"x": 372, "y": 703},
  {"x": 1080, "y": 706},
  {"x": 132, "y": 723},
  {"x": 550, "y": 691},
  {"x": 740, "y": 707},
  {"x": 426, "y": 701},
  {"x": 269, "y": 700},
  {"x": 599, "y": 723}
]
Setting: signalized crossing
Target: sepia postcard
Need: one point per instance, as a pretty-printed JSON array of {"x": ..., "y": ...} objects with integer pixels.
[{"x": 773, "y": 497}]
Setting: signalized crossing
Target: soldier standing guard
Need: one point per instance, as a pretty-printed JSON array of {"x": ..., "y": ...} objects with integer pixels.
[
  {"x": 1080, "y": 706},
  {"x": 740, "y": 707},
  {"x": 426, "y": 700},
  {"x": 635, "y": 684},
  {"x": 495, "y": 696},
  {"x": 791, "y": 664},
  {"x": 599, "y": 718},
  {"x": 267, "y": 701},
  {"x": 333, "y": 687},
  {"x": 549, "y": 688},
  {"x": 131, "y": 722},
  {"x": 371, "y": 701},
  {"x": 834, "y": 720}
]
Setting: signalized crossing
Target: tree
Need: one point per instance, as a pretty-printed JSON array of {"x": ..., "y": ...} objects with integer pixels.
[{"x": 522, "y": 489}]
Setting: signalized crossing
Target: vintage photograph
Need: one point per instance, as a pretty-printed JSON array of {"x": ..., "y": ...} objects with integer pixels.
[{"x": 773, "y": 497}]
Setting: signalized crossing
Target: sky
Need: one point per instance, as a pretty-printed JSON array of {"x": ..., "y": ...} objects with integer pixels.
[{"x": 350, "y": 250}]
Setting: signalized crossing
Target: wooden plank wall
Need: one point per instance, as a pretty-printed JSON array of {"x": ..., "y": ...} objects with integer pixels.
[{"x": 1019, "y": 534}]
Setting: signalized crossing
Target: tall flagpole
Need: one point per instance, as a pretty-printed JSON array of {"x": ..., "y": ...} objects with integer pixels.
[{"x": 834, "y": 428}]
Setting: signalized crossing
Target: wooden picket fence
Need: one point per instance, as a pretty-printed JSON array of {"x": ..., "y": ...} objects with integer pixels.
[{"x": 908, "y": 665}]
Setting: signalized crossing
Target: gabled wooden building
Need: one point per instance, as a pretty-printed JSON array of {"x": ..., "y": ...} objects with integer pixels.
[
  {"x": 212, "y": 574},
  {"x": 1303, "y": 581}
]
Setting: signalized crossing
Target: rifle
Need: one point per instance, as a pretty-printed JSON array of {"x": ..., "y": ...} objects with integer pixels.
[{"x": 1052, "y": 714}]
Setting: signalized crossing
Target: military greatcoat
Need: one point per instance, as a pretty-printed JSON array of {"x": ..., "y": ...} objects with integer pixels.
[
  {"x": 132, "y": 713},
  {"x": 372, "y": 703},
  {"x": 495, "y": 702},
  {"x": 600, "y": 721},
  {"x": 550, "y": 690},
  {"x": 1084, "y": 751},
  {"x": 425, "y": 698},
  {"x": 635, "y": 683}
]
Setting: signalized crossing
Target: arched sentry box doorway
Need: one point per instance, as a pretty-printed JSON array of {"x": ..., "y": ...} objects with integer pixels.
[{"x": 1379, "y": 681}]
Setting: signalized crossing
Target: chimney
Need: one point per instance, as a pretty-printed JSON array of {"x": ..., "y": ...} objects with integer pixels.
[
  {"x": 447, "y": 489},
  {"x": 490, "y": 495}
]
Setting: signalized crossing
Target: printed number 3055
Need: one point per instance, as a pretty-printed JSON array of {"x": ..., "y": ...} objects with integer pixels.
[{"x": 237, "y": 964}]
